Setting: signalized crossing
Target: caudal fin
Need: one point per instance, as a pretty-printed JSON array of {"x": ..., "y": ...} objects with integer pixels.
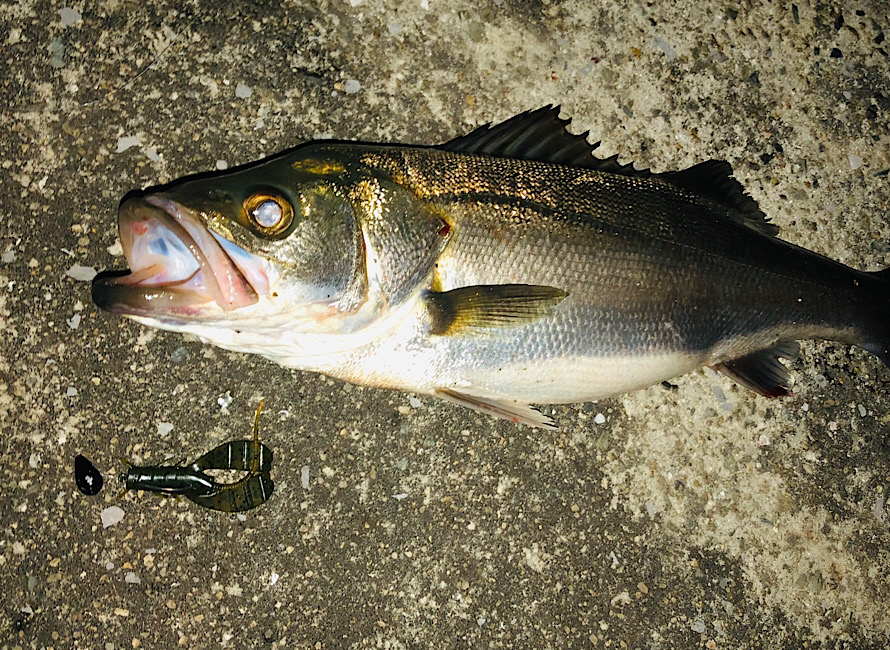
[{"x": 879, "y": 344}]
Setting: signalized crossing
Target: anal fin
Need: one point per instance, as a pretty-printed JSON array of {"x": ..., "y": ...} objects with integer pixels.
[
  {"x": 506, "y": 409},
  {"x": 762, "y": 371}
]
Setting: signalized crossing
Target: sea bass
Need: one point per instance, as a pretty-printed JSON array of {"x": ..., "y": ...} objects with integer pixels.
[{"x": 505, "y": 268}]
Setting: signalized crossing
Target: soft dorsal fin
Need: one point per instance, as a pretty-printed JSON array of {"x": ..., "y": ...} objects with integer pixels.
[
  {"x": 542, "y": 135},
  {"x": 713, "y": 179}
]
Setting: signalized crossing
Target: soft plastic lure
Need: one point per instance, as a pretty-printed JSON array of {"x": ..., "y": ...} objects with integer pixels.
[{"x": 192, "y": 481}]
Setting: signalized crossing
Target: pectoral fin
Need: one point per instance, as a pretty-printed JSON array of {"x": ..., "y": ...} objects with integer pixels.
[
  {"x": 489, "y": 305},
  {"x": 762, "y": 371},
  {"x": 501, "y": 408}
]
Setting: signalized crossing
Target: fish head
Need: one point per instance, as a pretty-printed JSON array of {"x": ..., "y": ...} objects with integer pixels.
[{"x": 241, "y": 252}]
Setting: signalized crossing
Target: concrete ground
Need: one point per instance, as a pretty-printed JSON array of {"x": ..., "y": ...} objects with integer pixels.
[{"x": 696, "y": 516}]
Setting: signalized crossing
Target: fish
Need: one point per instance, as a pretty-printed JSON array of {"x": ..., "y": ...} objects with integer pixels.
[{"x": 503, "y": 269}]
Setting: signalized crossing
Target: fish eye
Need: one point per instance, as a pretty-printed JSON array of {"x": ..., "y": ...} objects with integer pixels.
[{"x": 269, "y": 213}]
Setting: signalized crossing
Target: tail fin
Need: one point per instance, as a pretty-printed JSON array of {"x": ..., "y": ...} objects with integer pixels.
[{"x": 881, "y": 347}]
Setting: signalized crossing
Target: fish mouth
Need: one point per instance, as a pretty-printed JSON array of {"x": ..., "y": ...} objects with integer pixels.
[{"x": 179, "y": 269}]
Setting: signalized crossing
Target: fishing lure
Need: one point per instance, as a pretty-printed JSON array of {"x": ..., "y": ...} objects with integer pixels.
[
  {"x": 192, "y": 481},
  {"x": 88, "y": 479}
]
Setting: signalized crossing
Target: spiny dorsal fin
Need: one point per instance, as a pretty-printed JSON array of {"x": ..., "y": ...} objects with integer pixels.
[
  {"x": 489, "y": 305},
  {"x": 762, "y": 371},
  {"x": 541, "y": 135}
]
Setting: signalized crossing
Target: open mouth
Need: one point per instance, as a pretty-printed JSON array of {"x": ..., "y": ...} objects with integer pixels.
[{"x": 177, "y": 266}]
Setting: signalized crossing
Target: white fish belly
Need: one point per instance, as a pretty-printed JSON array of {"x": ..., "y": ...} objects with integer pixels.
[
  {"x": 567, "y": 381},
  {"x": 414, "y": 364}
]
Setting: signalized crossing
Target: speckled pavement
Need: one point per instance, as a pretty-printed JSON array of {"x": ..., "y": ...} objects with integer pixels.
[{"x": 695, "y": 516}]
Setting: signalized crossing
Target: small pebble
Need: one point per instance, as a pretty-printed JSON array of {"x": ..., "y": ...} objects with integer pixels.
[
  {"x": 111, "y": 515},
  {"x": 878, "y": 508},
  {"x": 665, "y": 47},
  {"x": 69, "y": 16},
  {"x": 82, "y": 273},
  {"x": 125, "y": 143},
  {"x": 351, "y": 86}
]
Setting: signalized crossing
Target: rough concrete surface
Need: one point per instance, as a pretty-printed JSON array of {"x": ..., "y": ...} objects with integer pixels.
[{"x": 695, "y": 516}]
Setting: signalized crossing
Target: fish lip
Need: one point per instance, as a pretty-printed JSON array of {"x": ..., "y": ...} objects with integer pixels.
[{"x": 210, "y": 277}]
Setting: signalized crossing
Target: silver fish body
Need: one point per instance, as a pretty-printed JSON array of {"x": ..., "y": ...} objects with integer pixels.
[{"x": 504, "y": 268}]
